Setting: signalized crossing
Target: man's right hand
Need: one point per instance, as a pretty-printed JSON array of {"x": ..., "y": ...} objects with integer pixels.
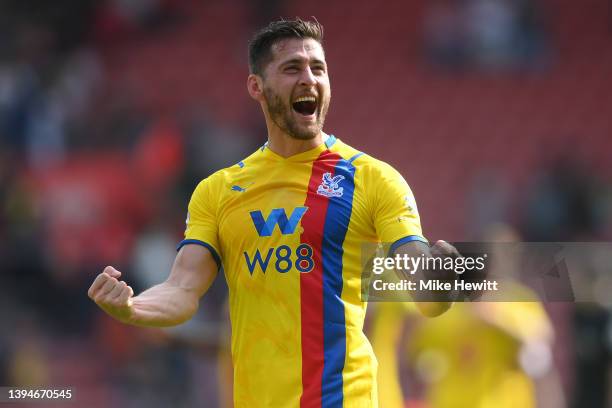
[
  {"x": 112, "y": 295},
  {"x": 169, "y": 303}
]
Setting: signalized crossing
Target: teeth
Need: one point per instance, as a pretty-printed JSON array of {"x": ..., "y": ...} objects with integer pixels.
[{"x": 306, "y": 99}]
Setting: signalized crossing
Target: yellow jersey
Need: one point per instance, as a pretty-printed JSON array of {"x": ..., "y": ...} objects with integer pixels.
[
  {"x": 289, "y": 233},
  {"x": 470, "y": 354}
]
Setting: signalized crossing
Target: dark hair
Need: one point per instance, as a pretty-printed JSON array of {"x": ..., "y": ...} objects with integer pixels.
[{"x": 260, "y": 46}]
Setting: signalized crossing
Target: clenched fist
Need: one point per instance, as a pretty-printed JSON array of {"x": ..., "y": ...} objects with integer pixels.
[
  {"x": 444, "y": 249},
  {"x": 112, "y": 295}
]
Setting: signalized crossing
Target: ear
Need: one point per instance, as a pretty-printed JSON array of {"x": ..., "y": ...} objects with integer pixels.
[{"x": 255, "y": 86}]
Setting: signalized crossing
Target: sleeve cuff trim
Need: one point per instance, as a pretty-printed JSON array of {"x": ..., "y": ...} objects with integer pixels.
[
  {"x": 404, "y": 240},
  {"x": 206, "y": 245}
]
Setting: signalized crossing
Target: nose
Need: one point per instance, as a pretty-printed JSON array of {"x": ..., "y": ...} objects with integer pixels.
[{"x": 307, "y": 78}]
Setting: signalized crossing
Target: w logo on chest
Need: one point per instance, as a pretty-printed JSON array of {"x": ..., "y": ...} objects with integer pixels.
[{"x": 287, "y": 226}]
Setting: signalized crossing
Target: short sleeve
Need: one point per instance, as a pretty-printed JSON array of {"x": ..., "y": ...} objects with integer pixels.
[
  {"x": 201, "y": 223},
  {"x": 395, "y": 213}
]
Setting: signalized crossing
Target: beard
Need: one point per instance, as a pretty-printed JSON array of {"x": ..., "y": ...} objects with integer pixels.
[{"x": 281, "y": 115}]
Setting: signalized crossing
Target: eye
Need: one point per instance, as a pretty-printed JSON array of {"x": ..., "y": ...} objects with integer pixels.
[
  {"x": 291, "y": 69},
  {"x": 319, "y": 69}
]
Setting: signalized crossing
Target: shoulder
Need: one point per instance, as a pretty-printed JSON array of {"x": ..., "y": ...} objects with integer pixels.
[
  {"x": 379, "y": 168},
  {"x": 342, "y": 149},
  {"x": 364, "y": 163},
  {"x": 223, "y": 179},
  {"x": 213, "y": 182}
]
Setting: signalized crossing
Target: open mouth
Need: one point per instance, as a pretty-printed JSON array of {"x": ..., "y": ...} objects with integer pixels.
[{"x": 305, "y": 105}]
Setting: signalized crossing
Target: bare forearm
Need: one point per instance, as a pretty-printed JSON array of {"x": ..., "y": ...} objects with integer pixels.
[
  {"x": 430, "y": 303},
  {"x": 167, "y": 304},
  {"x": 163, "y": 305}
]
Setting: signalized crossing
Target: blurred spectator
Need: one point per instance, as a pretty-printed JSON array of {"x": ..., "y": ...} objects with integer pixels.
[
  {"x": 593, "y": 328},
  {"x": 562, "y": 204},
  {"x": 117, "y": 20},
  {"x": 488, "y": 202},
  {"x": 158, "y": 157},
  {"x": 489, "y": 35},
  {"x": 210, "y": 146},
  {"x": 153, "y": 255},
  {"x": 445, "y": 34},
  {"x": 28, "y": 365},
  {"x": 491, "y": 26},
  {"x": 530, "y": 38}
]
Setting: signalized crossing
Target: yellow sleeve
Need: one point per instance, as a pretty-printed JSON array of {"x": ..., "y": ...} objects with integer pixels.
[
  {"x": 202, "y": 218},
  {"x": 396, "y": 217}
]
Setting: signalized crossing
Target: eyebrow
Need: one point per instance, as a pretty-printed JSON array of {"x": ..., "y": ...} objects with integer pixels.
[{"x": 302, "y": 60}]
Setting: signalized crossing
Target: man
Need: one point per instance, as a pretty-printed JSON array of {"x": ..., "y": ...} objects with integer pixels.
[
  {"x": 481, "y": 354},
  {"x": 287, "y": 223}
]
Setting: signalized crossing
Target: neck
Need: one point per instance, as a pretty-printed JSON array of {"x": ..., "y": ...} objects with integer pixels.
[{"x": 284, "y": 145}]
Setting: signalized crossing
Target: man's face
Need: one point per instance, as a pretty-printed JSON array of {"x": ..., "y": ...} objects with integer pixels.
[{"x": 296, "y": 87}]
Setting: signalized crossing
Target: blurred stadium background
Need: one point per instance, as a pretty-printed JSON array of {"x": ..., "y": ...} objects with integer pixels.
[{"x": 496, "y": 112}]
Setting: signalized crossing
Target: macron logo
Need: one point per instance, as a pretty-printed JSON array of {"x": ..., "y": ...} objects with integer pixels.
[
  {"x": 265, "y": 227},
  {"x": 241, "y": 189}
]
